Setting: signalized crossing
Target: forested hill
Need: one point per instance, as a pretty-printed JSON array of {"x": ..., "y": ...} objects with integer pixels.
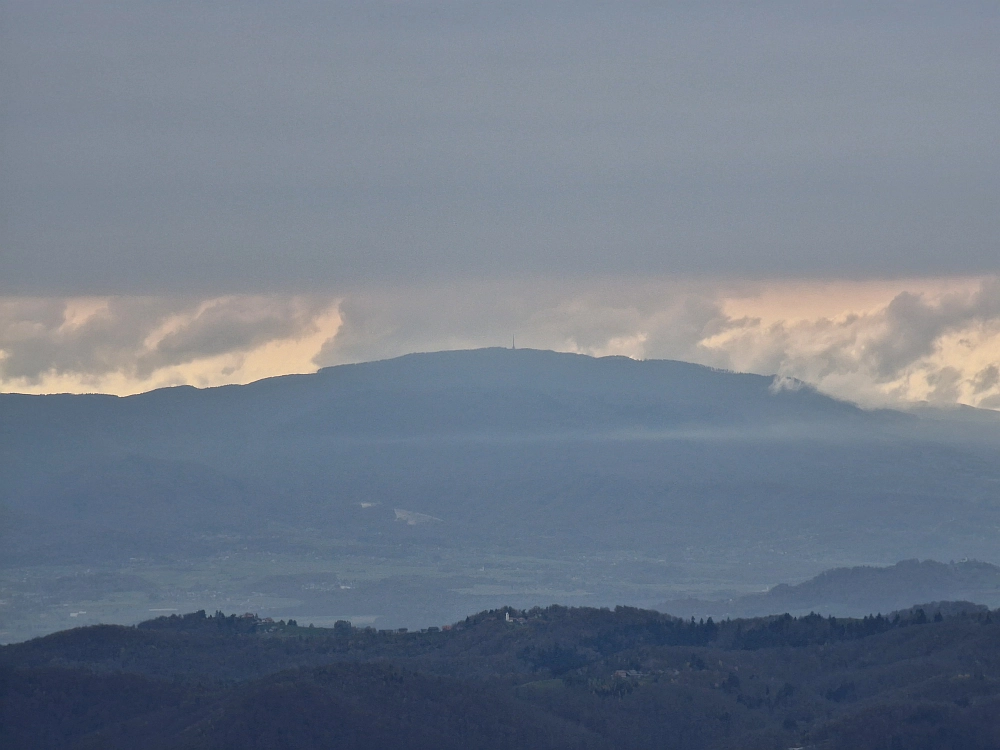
[
  {"x": 485, "y": 390},
  {"x": 551, "y": 677}
]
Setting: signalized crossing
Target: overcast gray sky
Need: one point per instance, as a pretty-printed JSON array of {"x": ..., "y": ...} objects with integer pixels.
[{"x": 154, "y": 147}]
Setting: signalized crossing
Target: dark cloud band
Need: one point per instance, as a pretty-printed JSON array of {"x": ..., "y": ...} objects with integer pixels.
[{"x": 211, "y": 148}]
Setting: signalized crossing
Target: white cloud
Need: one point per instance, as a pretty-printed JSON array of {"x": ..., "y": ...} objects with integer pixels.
[
  {"x": 129, "y": 344},
  {"x": 916, "y": 346}
]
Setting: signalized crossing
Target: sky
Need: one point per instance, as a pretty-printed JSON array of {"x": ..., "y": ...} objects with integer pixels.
[{"x": 216, "y": 192}]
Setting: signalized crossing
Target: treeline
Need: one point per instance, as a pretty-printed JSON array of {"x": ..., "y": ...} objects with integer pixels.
[{"x": 544, "y": 678}]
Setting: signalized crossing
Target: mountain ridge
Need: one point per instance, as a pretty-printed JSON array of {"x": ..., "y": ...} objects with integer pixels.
[
  {"x": 496, "y": 389},
  {"x": 557, "y": 477},
  {"x": 860, "y": 590}
]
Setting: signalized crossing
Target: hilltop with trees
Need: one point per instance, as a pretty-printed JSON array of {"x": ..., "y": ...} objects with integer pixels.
[{"x": 552, "y": 677}]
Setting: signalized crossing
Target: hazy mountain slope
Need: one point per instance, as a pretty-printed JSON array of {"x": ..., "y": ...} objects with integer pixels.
[
  {"x": 489, "y": 390},
  {"x": 121, "y": 506},
  {"x": 436, "y": 431},
  {"x": 862, "y": 590},
  {"x": 547, "y": 477}
]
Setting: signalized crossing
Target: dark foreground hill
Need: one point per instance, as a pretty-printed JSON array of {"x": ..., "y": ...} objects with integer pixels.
[
  {"x": 859, "y": 590},
  {"x": 337, "y": 707},
  {"x": 418, "y": 489},
  {"x": 544, "y": 678}
]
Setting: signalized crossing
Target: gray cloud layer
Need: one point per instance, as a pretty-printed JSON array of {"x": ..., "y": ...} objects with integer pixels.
[{"x": 172, "y": 148}]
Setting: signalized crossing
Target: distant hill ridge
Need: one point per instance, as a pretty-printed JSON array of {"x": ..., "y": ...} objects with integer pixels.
[
  {"x": 862, "y": 590},
  {"x": 586, "y": 480},
  {"x": 482, "y": 389}
]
